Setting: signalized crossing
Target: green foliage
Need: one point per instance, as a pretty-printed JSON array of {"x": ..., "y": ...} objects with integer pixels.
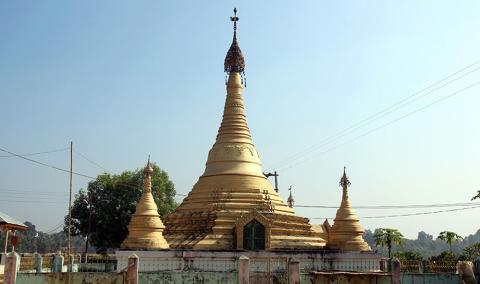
[
  {"x": 444, "y": 256},
  {"x": 387, "y": 237},
  {"x": 408, "y": 255},
  {"x": 449, "y": 237},
  {"x": 426, "y": 244},
  {"x": 472, "y": 252},
  {"x": 113, "y": 200}
]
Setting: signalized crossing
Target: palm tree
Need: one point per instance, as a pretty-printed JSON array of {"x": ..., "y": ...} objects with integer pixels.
[
  {"x": 387, "y": 237},
  {"x": 449, "y": 237},
  {"x": 476, "y": 196}
]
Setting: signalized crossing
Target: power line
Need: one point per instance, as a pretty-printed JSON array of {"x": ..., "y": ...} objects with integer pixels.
[
  {"x": 41, "y": 197},
  {"x": 44, "y": 164},
  {"x": 28, "y": 192},
  {"x": 409, "y": 214},
  {"x": 64, "y": 170},
  {"x": 411, "y": 206},
  {"x": 89, "y": 160},
  {"x": 390, "y": 109},
  {"x": 32, "y": 201},
  {"x": 384, "y": 125},
  {"x": 36, "y": 153},
  {"x": 58, "y": 226}
]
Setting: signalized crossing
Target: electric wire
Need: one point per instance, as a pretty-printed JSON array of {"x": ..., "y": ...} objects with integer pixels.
[
  {"x": 30, "y": 192},
  {"x": 51, "y": 230},
  {"x": 382, "y": 126},
  {"x": 410, "y": 206},
  {"x": 375, "y": 117},
  {"x": 90, "y": 161},
  {"x": 408, "y": 214},
  {"x": 37, "y": 153},
  {"x": 45, "y": 164},
  {"x": 64, "y": 170}
]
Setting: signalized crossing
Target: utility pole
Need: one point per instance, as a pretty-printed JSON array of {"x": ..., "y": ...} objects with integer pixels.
[
  {"x": 69, "y": 250},
  {"x": 275, "y": 175},
  {"x": 89, "y": 198}
]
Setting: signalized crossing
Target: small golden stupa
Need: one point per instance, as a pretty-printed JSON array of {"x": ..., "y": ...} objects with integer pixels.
[
  {"x": 145, "y": 230},
  {"x": 346, "y": 233},
  {"x": 233, "y": 205}
]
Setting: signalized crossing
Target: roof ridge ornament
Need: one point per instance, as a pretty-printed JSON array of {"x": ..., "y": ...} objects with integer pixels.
[{"x": 234, "y": 61}]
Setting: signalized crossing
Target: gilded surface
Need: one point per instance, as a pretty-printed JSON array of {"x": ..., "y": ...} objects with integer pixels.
[
  {"x": 347, "y": 232},
  {"x": 231, "y": 187},
  {"x": 145, "y": 230}
]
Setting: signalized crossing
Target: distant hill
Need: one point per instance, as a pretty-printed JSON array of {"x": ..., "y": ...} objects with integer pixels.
[
  {"x": 425, "y": 244},
  {"x": 36, "y": 241}
]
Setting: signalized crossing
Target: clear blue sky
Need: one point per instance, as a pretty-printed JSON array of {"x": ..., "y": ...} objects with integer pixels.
[{"x": 124, "y": 79}]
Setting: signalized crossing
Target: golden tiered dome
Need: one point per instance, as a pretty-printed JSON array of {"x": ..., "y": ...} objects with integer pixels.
[
  {"x": 347, "y": 233},
  {"x": 233, "y": 191},
  {"x": 145, "y": 230}
]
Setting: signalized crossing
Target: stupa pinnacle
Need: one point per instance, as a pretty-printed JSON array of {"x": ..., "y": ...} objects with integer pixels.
[
  {"x": 145, "y": 230},
  {"x": 346, "y": 232},
  {"x": 233, "y": 205}
]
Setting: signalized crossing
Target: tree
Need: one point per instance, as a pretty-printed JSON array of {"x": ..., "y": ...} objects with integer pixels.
[
  {"x": 476, "y": 196},
  {"x": 387, "y": 237},
  {"x": 444, "y": 256},
  {"x": 408, "y": 255},
  {"x": 103, "y": 212},
  {"x": 472, "y": 252},
  {"x": 31, "y": 241},
  {"x": 449, "y": 238}
]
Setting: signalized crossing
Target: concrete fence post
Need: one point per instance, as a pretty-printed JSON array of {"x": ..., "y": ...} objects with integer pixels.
[
  {"x": 420, "y": 266},
  {"x": 58, "y": 263},
  {"x": 132, "y": 269},
  {"x": 12, "y": 264},
  {"x": 395, "y": 270},
  {"x": 71, "y": 259},
  {"x": 476, "y": 266},
  {"x": 38, "y": 263},
  {"x": 294, "y": 271},
  {"x": 382, "y": 265},
  {"x": 243, "y": 270}
]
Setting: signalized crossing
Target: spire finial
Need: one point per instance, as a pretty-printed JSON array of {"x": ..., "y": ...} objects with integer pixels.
[
  {"x": 290, "y": 200},
  {"x": 234, "y": 19},
  {"x": 147, "y": 180},
  {"x": 344, "y": 181},
  {"x": 234, "y": 61}
]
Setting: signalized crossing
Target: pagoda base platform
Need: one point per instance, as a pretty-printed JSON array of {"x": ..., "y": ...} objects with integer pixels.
[{"x": 259, "y": 261}]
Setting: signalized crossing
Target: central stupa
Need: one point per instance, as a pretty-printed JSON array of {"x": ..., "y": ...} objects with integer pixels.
[{"x": 233, "y": 205}]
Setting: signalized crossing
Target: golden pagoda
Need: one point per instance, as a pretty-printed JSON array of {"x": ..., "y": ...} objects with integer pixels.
[
  {"x": 233, "y": 205},
  {"x": 346, "y": 232},
  {"x": 145, "y": 230}
]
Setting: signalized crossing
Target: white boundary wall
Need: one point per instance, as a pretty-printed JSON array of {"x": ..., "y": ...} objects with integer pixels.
[{"x": 260, "y": 261}]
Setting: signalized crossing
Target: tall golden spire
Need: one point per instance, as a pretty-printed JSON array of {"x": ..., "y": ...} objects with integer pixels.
[
  {"x": 346, "y": 232},
  {"x": 145, "y": 230},
  {"x": 233, "y": 186},
  {"x": 233, "y": 151}
]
